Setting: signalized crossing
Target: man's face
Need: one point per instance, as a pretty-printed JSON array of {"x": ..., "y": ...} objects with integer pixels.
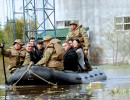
[
  {"x": 29, "y": 47},
  {"x": 17, "y": 46},
  {"x": 65, "y": 46},
  {"x": 39, "y": 46},
  {"x": 70, "y": 42},
  {"x": 32, "y": 41},
  {"x": 73, "y": 27},
  {"x": 46, "y": 43}
]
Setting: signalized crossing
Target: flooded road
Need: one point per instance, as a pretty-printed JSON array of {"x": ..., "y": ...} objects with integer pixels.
[{"x": 116, "y": 87}]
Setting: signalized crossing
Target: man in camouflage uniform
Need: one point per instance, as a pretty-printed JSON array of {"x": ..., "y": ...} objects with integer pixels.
[
  {"x": 53, "y": 54},
  {"x": 16, "y": 54},
  {"x": 80, "y": 33}
]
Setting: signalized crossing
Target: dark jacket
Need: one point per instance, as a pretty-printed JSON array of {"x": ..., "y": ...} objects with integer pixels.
[
  {"x": 39, "y": 53},
  {"x": 36, "y": 54},
  {"x": 33, "y": 57},
  {"x": 70, "y": 61}
]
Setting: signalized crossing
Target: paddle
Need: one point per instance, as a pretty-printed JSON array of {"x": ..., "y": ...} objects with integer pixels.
[{"x": 2, "y": 47}]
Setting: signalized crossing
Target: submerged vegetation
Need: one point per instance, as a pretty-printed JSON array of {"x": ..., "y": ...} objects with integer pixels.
[{"x": 83, "y": 91}]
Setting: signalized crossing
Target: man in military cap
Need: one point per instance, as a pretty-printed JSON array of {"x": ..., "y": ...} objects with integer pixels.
[
  {"x": 53, "y": 54},
  {"x": 79, "y": 32},
  {"x": 16, "y": 54}
]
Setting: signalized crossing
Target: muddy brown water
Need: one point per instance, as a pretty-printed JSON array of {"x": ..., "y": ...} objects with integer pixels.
[{"x": 116, "y": 87}]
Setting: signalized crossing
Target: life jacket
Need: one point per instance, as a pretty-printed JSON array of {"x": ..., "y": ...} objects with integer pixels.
[
  {"x": 56, "y": 59},
  {"x": 59, "y": 50},
  {"x": 16, "y": 58}
]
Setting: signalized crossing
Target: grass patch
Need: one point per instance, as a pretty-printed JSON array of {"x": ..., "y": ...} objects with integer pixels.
[{"x": 112, "y": 66}]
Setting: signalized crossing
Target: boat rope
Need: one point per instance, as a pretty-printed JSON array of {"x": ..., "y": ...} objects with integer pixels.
[
  {"x": 43, "y": 79},
  {"x": 33, "y": 74},
  {"x": 23, "y": 74}
]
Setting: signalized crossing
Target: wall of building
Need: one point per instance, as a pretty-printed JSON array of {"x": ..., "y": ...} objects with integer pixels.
[{"x": 98, "y": 15}]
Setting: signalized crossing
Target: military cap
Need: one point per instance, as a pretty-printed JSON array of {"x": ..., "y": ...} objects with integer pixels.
[
  {"x": 46, "y": 38},
  {"x": 18, "y": 41},
  {"x": 73, "y": 22},
  {"x": 40, "y": 42},
  {"x": 55, "y": 41}
]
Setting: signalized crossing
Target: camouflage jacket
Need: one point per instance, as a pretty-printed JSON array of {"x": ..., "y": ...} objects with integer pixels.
[
  {"x": 16, "y": 57},
  {"x": 81, "y": 34},
  {"x": 50, "y": 58},
  {"x": 27, "y": 59}
]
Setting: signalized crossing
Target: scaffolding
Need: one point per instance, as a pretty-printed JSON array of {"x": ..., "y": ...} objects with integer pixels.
[{"x": 39, "y": 17}]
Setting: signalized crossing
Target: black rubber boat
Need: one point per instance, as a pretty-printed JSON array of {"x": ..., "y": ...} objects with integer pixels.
[{"x": 37, "y": 75}]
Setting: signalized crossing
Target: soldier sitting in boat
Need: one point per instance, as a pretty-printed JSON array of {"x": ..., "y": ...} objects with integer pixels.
[
  {"x": 16, "y": 54},
  {"x": 70, "y": 61},
  {"x": 53, "y": 54}
]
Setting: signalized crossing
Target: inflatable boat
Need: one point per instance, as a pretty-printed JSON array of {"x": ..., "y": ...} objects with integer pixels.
[{"x": 38, "y": 75}]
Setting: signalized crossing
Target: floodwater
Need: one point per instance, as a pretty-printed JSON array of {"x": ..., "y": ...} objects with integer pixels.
[{"x": 116, "y": 87}]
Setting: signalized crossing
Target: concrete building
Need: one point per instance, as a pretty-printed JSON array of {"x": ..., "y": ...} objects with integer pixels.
[{"x": 101, "y": 16}]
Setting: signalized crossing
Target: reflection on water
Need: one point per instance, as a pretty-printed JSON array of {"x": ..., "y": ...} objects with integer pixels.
[
  {"x": 46, "y": 93},
  {"x": 116, "y": 87}
]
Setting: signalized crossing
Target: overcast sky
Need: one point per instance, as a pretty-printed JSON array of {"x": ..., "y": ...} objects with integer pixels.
[{"x": 6, "y": 10}]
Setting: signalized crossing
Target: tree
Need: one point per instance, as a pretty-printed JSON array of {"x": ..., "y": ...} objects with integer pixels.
[
  {"x": 18, "y": 28},
  {"x": 120, "y": 45},
  {"x": 8, "y": 29},
  {"x": 3, "y": 36}
]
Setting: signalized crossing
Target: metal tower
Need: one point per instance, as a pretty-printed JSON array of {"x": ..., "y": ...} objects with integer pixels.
[{"x": 39, "y": 16}]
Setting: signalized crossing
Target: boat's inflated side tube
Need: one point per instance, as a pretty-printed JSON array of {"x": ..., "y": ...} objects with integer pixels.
[
  {"x": 66, "y": 77},
  {"x": 36, "y": 75},
  {"x": 71, "y": 77},
  {"x": 27, "y": 76}
]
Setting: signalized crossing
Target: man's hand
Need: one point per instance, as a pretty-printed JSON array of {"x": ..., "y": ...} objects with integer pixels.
[
  {"x": 1, "y": 45},
  {"x": 86, "y": 52}
]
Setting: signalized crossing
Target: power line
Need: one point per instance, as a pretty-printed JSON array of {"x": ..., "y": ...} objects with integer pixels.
[
  {"x": 7, "y": 9},
  {"x": 3, "y": 11},
  {"x": 10, "y": 8}
]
